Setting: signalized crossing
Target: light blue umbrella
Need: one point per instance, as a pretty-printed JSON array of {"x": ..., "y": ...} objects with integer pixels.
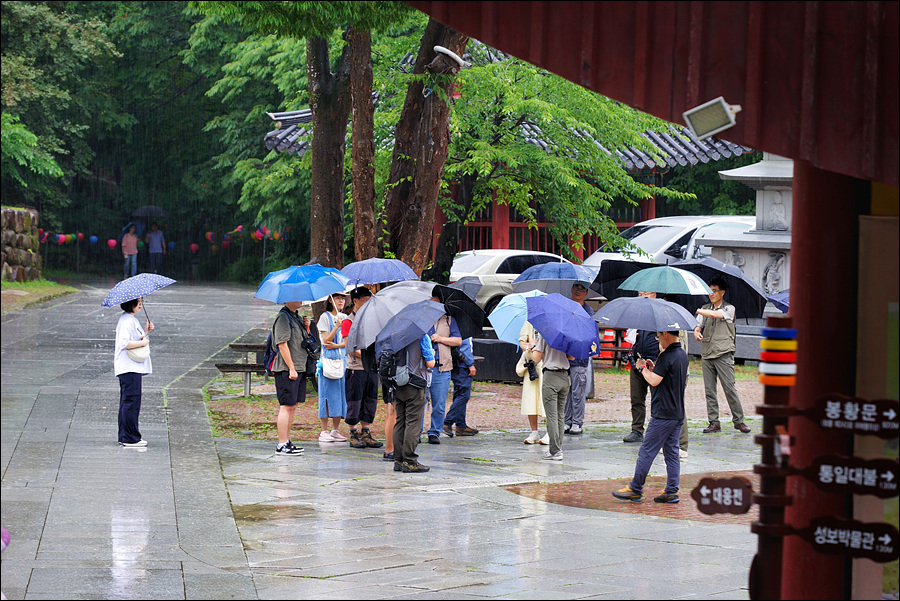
[
  {"x": 510, "y": 315},
  {"x": 555, "y": 277},
  {"x": 378, "y": 271},
  {"x": 308, "y": 283},
  {"x": 666, "y": 280}
]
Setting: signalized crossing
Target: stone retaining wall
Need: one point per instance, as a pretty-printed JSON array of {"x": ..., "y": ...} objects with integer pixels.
[{"x": 21, "y": 256}]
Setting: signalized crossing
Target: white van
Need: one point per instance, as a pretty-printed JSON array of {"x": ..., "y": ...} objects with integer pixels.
[{"x": 669, "y": 239}]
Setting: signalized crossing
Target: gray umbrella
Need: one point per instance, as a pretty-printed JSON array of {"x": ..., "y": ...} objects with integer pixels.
[
  {"x": 376, "y": 312},
  {"x": 653, "y": 314}
]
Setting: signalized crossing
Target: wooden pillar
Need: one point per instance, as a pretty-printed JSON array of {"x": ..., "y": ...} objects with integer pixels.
[
  {"x": 500, "y": 224},
  {"x": 824, "y": 271}
]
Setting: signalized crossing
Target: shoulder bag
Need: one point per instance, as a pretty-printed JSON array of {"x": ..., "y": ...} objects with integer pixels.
[
  {"x": 139, "y": 354},
  {"x": 332, "y": 360}
]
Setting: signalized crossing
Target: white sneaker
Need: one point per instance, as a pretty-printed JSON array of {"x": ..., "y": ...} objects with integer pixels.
[
  {"x": 545, "y": 439},
  {"x": 552, "y": 457},
  {"x": 325, "y": 437},
  {"x": 682, "y": 454},
  {"x": 533, "y": 438},
  {"x": 337, "y": 436},
  {"x": 576, "y": 429},
  {"x": 140, "y": 443}
]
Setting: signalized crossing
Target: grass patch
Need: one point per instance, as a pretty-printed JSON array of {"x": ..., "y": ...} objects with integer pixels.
[{"x": 19, "y": 295}]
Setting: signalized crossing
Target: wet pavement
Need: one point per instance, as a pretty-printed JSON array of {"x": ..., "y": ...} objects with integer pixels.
[{"x": 195, "y": 517}]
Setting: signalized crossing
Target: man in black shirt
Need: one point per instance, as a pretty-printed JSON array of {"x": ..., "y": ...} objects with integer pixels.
[{"x": 668, "y": 377}]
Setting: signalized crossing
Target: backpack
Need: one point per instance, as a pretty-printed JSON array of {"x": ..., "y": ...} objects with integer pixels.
[{"x": 394, "y": 371}]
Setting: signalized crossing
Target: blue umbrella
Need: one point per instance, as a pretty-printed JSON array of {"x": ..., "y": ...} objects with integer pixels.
[
  {"x": 510, "y": 315},
  {"x": 378, "y": 271},
  {"x": 781, "y": 300},
  {"x": 135, "y": 287},
  {"x": 470, "y": 284},
  {"x": 308, "y": 283},
  {"x": 653, "y": 314},
  {"x": 554, "y": 277},
  {"x": 408, "y": 326},
  {"x": 564, "y": 325}
]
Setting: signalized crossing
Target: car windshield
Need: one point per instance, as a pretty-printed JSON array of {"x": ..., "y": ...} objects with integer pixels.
[
  {"x": 469, "y": 263},
  {"x": 649, "y": 238}
]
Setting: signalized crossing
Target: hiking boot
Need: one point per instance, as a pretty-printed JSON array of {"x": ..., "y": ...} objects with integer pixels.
[
  {"x": 465, "y": 431},
  {"x": 414, "y": 467},
  {"x": 367, "y": 441},
  {"x": 355, "y": 441},
  {"x": 665, "y": 497},
  {"x": 712, "y": 427},
  {"x": 634, "y": 437},
  {"x": 626, "y": 494},
  {"x": 742, "y": 427},
  {"x": 432, "y": 439},
  {"x": 398, "y": 466},
  {"x": 448, "y": 430}
]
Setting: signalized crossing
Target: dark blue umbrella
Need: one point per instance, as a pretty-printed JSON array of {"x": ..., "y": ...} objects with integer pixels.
[
  {"x": 136, "y": 287},
  {"x": 378, "y": 271},
  {"x": 653, "y": 314},
  {"x": 564, "y": 325},
  {"x": 612, "y": 273},
  {"x": 553, "y": 277},
  {"x": 308, "y": 283},
  {"x": 408, "y": 326},
  {"x": 781, "y": 300}
]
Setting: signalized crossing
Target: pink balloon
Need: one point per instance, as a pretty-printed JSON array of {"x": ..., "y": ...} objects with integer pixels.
[
  {"x": 195, "y": 247},
  {"x": 111, "y": 242}
]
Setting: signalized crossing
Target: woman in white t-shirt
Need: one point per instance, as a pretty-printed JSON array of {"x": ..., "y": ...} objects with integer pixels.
[
  {"x": 130, "y": 335},
  {"x": 332, "y": 391}
]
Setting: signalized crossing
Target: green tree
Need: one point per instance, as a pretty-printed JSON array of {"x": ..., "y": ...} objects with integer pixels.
[
  {"x": 19, "y": 148},
  {"x": 711, "y": 194}
]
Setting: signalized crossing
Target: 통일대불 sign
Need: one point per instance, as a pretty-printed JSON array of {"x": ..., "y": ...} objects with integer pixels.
[{"x": 835, "y": 473}]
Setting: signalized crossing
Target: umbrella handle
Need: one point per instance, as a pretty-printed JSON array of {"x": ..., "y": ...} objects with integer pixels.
[{"x": 144, "y": 307}]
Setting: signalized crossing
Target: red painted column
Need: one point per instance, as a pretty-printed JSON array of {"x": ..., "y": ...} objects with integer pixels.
[
  {"x": 500, "y": 224},
  {"x": 824, "y": 250}
]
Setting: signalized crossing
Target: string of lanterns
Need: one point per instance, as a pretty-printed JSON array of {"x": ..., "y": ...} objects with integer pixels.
[{"x": 261, "y": 233}]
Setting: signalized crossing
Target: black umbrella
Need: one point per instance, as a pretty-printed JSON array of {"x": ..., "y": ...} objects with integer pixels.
[
  {"x": 150, "y": 211},
  {"x": 469, "y": 317},
  {"x": 612, "y": 273},
  {"x": 747, "y": 297}
]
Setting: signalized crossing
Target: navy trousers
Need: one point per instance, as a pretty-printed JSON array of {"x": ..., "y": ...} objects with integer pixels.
[
  {"x": 661, "y": 434},
  {"x": 129, "y": 407},
  {"x": 462, "y": 390}
]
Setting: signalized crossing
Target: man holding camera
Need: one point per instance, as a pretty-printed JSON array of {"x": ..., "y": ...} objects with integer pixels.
[{"x": 645, "y": 347}]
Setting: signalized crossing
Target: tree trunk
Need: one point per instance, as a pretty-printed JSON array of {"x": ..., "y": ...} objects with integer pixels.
[
  {"x": 445, "y": 250},
  {"x": 329, "y": 100},
  {"x": 422, "y": 140},
  {"x": 362, "y": 146}
]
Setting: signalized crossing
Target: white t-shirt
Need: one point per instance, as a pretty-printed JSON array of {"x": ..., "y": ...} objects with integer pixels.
[{"x": 128, "y": 329}]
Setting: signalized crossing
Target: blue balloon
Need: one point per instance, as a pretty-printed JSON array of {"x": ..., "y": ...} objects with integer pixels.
[
  {"x": 93, "y": 239},
  {"x": 171, "y": 246}
]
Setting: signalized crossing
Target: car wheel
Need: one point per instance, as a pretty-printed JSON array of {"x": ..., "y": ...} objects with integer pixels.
[{"x": 492, "y": 304}]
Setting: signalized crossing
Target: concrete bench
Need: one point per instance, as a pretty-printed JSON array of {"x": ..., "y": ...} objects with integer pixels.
[{"x": 245, "y": 366}]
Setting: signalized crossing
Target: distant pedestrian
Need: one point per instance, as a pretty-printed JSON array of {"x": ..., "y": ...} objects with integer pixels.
[
  {"x": 668, "y": 377},
  {"x": 130, "y": 251},
  {"x": 156, "y": 244},
  {"x": 461, "y": 375},
  {"x": 362, "y": 386},
  {"x": 579, "y": 372},
  {"x": 288, "y": 332},
  {"x": 715, "y": 330},
  {"x": 532, "y": 405},
  {"x": 130, "y": 335},
  {"x": 409, "y": 403},
  {"x": 332, "y": 391}
]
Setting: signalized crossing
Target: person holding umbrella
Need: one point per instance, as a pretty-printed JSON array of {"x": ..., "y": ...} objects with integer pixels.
[
  {"x": 130, "y": 335},
  {"x": 554, "y": 391},
  {"x": 668, "y": 377},
  {"x": 332, "y": 391},
  {"x": 362, "y": 386},
  {"x": 716, "y": 331},
  {"x": 289, "y": 368},
  {"x": 156, "y": 245}
]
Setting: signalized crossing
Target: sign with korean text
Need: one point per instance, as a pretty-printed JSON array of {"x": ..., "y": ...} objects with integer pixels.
[
  {"x": 727, "y": 495},
  {"x": 835, "y": 473},
  {"x": 829, "y": 534},
  {"x": 879, "y": 417}
]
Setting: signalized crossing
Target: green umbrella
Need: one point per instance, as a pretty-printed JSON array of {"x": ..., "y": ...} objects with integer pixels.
[{"x": 666, "y": 280}]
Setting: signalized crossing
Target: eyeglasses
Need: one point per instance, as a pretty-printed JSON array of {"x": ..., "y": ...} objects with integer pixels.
[{"x": 714, "y": 290}]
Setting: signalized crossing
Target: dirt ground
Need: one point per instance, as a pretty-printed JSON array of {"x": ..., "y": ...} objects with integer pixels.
[{"x": 493, "y": 406}]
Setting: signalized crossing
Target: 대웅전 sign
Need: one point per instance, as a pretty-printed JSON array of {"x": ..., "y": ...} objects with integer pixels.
[{"x": 727, "y": 495}]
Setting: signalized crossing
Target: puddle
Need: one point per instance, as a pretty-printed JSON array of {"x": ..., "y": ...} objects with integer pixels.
[{"x": 259, "y": 512}]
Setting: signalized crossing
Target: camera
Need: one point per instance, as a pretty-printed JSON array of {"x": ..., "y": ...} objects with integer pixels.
[
  {"x": 632, "y": 358},
  {"x": 532, "y": 370}
]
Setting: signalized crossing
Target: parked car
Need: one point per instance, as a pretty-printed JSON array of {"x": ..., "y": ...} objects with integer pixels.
[
  {"x": 496, "y": 269},
  {"x": 668, "y": 239}
]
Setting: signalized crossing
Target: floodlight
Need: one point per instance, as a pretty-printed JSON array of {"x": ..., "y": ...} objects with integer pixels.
[{"x": 711, "y": 117}]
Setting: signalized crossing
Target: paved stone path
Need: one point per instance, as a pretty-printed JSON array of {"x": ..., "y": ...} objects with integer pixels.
[{"x": 191, "y": 517}]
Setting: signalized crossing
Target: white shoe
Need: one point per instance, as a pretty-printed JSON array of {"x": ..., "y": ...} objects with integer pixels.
[
  {"x": 576, "y": 429},
  {"x": 337, "y": 436},
  {"x": 682, "y": 454},
  {"x": 545, "y": 439},
  {"x": 533, "y": 438},
  {"x": 552, "y": 457},
  {"x": 140, "y": 443},
  {"x": 325, "y": 437}
]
